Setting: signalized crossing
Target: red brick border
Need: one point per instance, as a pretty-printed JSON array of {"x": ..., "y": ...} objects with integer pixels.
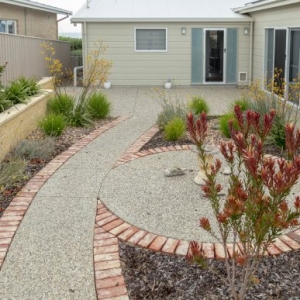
[{"x": 118, "y": 228}]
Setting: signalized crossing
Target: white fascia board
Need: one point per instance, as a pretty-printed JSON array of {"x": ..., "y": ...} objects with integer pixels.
[
  {"x": 38, "y": 6},
  {"x": 189, "y": 20},
  {"x": 264, "y": 5}
]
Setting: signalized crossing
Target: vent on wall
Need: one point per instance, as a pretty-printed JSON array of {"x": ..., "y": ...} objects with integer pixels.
[{"x": 242, "y": 76}]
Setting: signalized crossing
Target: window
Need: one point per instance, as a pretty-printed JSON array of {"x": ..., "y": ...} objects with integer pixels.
[
  {"x": 8, "y": 26},
  {"x": 282, "y": 53},
  {"x": 154, "y": 40}
]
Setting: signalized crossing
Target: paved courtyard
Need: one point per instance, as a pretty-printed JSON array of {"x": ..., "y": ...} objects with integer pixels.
[{"x": 100, "y": 190}]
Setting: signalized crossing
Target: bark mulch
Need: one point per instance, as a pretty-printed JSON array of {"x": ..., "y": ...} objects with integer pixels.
[{"x": 150, "y": 275}]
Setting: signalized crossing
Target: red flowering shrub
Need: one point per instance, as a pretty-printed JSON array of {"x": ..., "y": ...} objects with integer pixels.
[{"x": 255, "y": 210}]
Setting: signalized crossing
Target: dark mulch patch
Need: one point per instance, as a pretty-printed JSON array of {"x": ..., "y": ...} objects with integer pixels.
[
  {"x": 150, "y": 275},
  {"x": 69, "y": 137}
]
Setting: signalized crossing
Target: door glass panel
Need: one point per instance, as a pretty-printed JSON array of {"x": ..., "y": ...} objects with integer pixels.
[
  {"x": 294, "y": 66},
  {"x": 197, "y": 55},
  {"x": 231, "y": 52},
  {"x": 214, "y": 53},
  {"x": 279, "y": 61},
  {"x": 269, "y": 57}
]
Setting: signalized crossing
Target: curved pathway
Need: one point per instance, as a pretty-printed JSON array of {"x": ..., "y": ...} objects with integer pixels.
[{"x": 66, "y": 246}]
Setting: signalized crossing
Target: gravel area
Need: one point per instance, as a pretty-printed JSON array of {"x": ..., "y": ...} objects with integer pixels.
[{"x": 150, "y": 275}]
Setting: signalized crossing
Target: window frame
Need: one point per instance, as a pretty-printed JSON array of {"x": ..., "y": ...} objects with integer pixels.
[
  {"x": 6, "y": 26},
  {"x": 288, "y": 30},
  {"x": 151, "y": 28}
]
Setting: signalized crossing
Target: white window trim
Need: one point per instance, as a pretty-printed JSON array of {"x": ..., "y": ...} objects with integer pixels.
[
  {"x": 15, "y": 25},
  {"x": 135, "y": 50}
]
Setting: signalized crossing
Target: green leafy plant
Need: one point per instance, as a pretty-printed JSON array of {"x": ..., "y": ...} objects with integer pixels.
[
  {"x": 53, "y": 125},
  {"x": 255, "y": 210},
  {"x": 4, "y": 103},
  {"x": 224, "y": 124},
  {"x": 244, "y": 103},
  {"x": 19, "y": 90},
  {"x": 12, "y": 172},
  {"x": 30, "y": 149},
  {"x": 198, "y": 105},
  {"x": 170, "y": 109},
  {"x": 2, "y": 69},
  {"x": 175, "y": 129},
  {"x": 79, "y": 116},
  {"x": 15, "y": 93},
  {"x": 98, "y": 105},
  {"x": 29, "y": 86},
  {"x": 61, "y": 104}
]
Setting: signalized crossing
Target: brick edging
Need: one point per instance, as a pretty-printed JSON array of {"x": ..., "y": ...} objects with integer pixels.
[
  {"x": 15, "y": 212},
  {"x": 126, "y": 232},
  {"x": 133, "y": 152}
]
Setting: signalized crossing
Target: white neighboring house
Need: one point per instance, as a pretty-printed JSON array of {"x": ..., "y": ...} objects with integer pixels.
[{"x": 193, "y": 42}]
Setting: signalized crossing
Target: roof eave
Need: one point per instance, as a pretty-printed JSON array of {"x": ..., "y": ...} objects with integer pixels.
[
  {"x": 156, "y": 20},
  {"x": 263, "y": 6},
  {"x": 39, "y": 6}
]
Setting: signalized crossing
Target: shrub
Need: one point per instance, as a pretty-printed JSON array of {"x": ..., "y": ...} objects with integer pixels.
[
  {"x": 53, "y": 125},
  {"x": 61, "y": 104},
  {"x": 170, "y": 109},
  {"x": 224, "y": 126},
  {"x": 198, "y": 105},
  {"x": 15, "y": 92},
  {"x": 79, "y": 116},
  {"x": 244, "y": 103},
  {"x": 98, "y": 106},
  {"x": 29, "y": 86},
  {"x": 254, "y": 210},
  {"x": 4, "y": 103},
  {"x": 12, "y": 172},
  {"x": 30, "y": 149},
  {"x": 175, "y": 129},
  {"x": 19, "y": 90}
]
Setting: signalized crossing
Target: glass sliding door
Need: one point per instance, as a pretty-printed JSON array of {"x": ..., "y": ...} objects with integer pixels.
[
  {"x": 279, "y": 59},
  {"x": 269, "y": 57},
  {"x": 294, "y": 65},
  {"x": 275, "y": 60}
]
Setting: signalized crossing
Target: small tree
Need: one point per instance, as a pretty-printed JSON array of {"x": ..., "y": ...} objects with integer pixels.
[{"x": 255, "y": 210}]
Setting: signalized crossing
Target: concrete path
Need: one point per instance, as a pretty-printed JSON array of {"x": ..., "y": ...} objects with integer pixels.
[{"x": 51, "y": 256}]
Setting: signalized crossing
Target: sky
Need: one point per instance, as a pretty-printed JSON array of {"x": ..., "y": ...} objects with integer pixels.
[{"x": 73, "y": 5}]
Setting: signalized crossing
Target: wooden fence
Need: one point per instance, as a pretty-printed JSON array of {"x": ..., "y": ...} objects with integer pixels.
[{"x": 24, "y": 56}]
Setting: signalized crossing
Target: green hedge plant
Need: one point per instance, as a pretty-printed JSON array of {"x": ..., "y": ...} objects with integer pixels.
[
  {"x": 175, "y": 129},
  {"x": 198, "y": 105},
  {"x": 98, "y": 106},
  {"x": 53, "y": 125}
]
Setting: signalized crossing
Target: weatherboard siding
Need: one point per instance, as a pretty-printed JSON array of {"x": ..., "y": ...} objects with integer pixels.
[
  {"x": 281, "y": 17},
  {"x": 154, "y": 68},
  {"x": 31, "y": 22}
]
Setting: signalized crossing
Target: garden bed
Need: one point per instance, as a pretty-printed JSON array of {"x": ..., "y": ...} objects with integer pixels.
[
  {"x": 20, "y": 120},
  {"x": 69, "y": 137}
]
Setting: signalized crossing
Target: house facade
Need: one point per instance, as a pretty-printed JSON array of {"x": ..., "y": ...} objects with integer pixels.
[
  {"x": 30, "y": 18},
  {"x": 276, "y": 40},
  {"x": 193, "y": 42}
]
